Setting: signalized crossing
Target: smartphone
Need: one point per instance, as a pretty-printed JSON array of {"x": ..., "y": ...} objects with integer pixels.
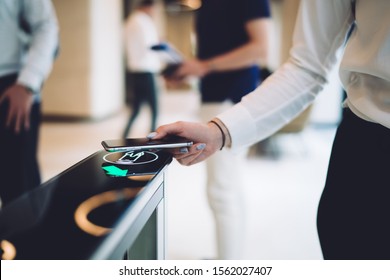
[
  {"x": 170, "y": 69},
  {"x": 168, "y": 53},
  {"x": 132, "y": 144},
  {"x": 172, "y": 58}
]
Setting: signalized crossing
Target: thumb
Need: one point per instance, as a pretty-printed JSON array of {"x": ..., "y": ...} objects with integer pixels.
[{"x": 168, "y": 129}]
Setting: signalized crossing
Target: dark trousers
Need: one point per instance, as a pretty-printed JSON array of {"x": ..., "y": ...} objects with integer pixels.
[
  {"x": 19, "y": 170},
  {"x": 143, "y": 89},
  {"x": 354, "y": 211}
]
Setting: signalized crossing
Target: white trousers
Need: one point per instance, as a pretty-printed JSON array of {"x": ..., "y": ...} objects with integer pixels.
[{"x": 225, "y": 192}]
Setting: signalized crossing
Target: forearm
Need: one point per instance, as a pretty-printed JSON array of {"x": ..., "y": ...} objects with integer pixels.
[
  {"x": 255, "y": 51},
  {"x": 275, "y": 103},
  {"x": 293, "y": 87},
  {"x": 43, "y": 45},
  {"x": 249, "y": 54}
]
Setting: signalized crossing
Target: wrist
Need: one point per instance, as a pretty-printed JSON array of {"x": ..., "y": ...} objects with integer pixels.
[
  {"x": 27, "y": 89},
  {"x": 221, "y": 138},
  {"x": 223, "y": 135},
  {"x": 209, "y": 66}
]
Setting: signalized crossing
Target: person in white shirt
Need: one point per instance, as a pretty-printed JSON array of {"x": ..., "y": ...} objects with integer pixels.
[
  {"x": 354, "y": 208},
  {"x": 142, "y": 62},
  {"x": 29, "y": 43}
]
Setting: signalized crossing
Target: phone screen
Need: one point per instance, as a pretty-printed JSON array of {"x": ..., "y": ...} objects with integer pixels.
[
  {"x": 168, "y": 53},
  {"x": 144, "y": 144}
]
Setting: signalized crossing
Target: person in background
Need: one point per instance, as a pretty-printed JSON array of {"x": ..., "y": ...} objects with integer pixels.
[
  {"x": 142, "y": 62},
  {"x": 354, "y": 208},
  {"x": 232, "y": 42},
  {"x": 29, "y": 42}
]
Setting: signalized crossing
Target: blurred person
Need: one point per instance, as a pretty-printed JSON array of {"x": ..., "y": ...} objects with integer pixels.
[
  {"x": 29, "y": 42},
  {"x": 143, "y": 63},
  {"x": 232, "y": 41},
  {"x": 354, "y": 208}
]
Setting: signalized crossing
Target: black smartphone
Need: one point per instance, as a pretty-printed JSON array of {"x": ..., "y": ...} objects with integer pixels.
[
  {"x": 169, "y": 70},
  {"x": 168, "y": 53},
  {"x": 172, "y": 57},
  {"x": 133, "y": 144}
]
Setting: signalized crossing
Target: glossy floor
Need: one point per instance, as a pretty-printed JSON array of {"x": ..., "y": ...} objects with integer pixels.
[{"x": 282, "y": 191}]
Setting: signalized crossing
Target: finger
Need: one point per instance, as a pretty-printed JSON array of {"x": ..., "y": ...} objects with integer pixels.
[
  {"x": 2, "y": 98},
  {"x": 27, "y": 121},
  {"x": 168, "y": 129},
  {"x": 184, "y": 156},
  {"x": 152, "y": 135},
  {"x": 18, "y": 122},
  {"x": 199, "y": 158},
  {"x": 191, "y": 154},
  {"x": 193, "y": 159},
  {"x": 188, "y": 160},
  {"x": 179, "y": 151},
  {"x": 13, "y": 119},
  {"x": 185, "y": 151},
  {"x": 10, "y": 116}
]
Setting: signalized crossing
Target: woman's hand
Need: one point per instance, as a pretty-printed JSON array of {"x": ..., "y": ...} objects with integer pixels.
[{"x": 207, "y": 140}]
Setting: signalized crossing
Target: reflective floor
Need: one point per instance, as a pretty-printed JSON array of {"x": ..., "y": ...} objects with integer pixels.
[{"x": 283, "y": 184}]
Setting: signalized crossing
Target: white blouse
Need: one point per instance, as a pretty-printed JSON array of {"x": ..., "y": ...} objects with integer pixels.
[
  {"x": 318, "y": 42},
  {"x": 140, "y": 35}
]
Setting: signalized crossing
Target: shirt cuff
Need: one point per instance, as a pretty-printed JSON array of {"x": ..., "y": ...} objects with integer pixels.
[
  {"x": 241, "y": 126},
  {"x": 30, "y": 79}
]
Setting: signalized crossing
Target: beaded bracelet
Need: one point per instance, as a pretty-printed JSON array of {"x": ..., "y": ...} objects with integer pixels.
[{"x": 223, "y": 134}]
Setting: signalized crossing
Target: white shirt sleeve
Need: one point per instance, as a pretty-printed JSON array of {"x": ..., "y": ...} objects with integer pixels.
[
  {"x": 319, "y": 35},
  {"x": 40, "y": 16}
]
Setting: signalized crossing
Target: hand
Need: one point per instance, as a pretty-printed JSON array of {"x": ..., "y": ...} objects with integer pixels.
[
  {"x": 20, "y": 103},
  {"x": 206, "y": 137},
  {"x": 193, "y": 67}
]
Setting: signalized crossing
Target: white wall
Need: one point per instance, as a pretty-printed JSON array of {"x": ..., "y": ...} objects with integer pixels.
[
  {"x": 87, "y": 79},
  {"x": 106, "y": 80}
]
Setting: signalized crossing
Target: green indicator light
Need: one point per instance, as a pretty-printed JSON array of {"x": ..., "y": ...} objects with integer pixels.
[{"x": 114, "y": 171}]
